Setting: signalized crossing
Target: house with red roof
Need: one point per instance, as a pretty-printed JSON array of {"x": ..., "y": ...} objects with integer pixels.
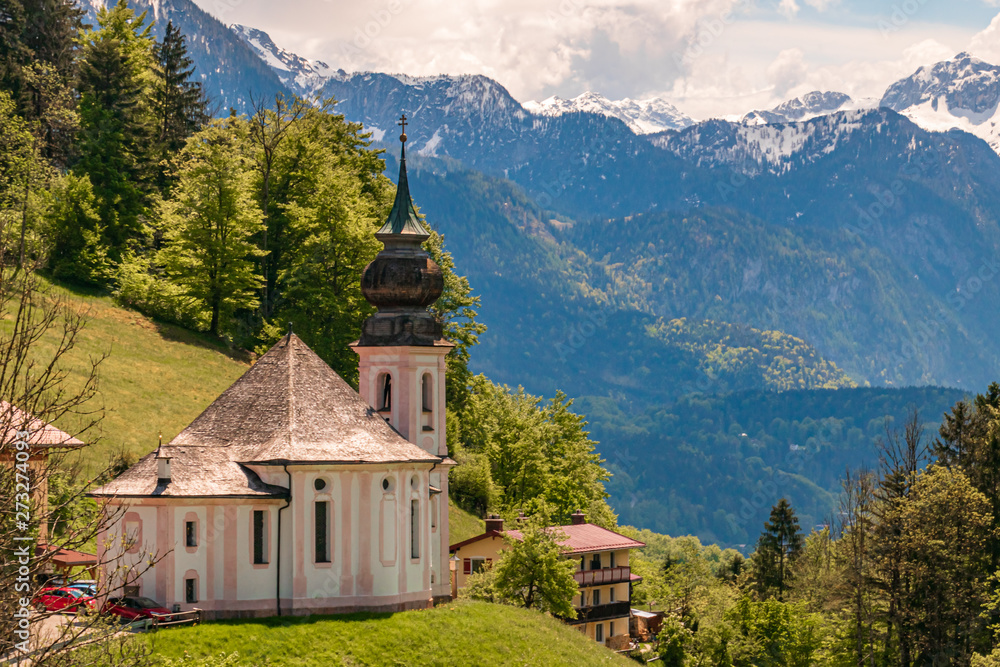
[{"x": 603, "y": 573}]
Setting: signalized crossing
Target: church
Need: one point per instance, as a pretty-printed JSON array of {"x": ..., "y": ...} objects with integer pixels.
[{"x": 293, "y": 493}]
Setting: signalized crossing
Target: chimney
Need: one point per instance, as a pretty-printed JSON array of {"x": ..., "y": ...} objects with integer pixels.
[
  {"x": 162, "y": 465},
  {"x": 494, "y": 523},
  {"x": 577, "y": 518}
]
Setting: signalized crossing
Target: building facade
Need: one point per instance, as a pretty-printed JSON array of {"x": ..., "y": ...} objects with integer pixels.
[
  {"x": 603, "y": 573},
  {"x": 294, "y": 494}
]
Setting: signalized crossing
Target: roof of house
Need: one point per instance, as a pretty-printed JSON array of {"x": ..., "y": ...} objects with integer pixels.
[
  {"x": 587, "y": 537},
  {"x": 577, "y": 539},
  {"x": 290, "y": 407},
  {"x": 14, "y": 419},
  {"x": 66, "y": 557}
]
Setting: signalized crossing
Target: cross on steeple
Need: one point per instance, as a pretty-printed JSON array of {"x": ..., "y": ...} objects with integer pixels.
[{"x": 402, "y": 124}]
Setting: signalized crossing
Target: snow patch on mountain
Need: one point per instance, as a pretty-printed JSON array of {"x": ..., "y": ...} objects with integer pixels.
[
  {"x": 962, "y": 93},
  {"x": 304, "y": 75},
  {"x": 808, "y": 106},
  {"x": 774, "y": 148},
  {"x": 642, "y": 116}
]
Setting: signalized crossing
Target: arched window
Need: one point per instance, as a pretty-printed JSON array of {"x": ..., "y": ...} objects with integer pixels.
[
  {"x": 427, "y": 392},
  {"x": 384, "y": 392}
]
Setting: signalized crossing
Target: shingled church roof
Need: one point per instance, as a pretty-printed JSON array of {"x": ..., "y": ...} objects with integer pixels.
[{"x": 290, "y": 407}]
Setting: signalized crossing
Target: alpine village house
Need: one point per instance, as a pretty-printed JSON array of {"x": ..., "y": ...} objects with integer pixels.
[
  {"x": 294, "y": 494},
  {"x": 603, "y": 605}
]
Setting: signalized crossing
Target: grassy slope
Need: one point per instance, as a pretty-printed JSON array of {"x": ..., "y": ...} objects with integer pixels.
[
  {"x": 156, "y": 379},
  {"x": 460, "y": 633},
  {"x": 462, "y": 525}
]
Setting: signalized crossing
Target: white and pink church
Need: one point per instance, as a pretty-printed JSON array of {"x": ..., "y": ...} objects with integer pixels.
[{"x": 294, "y": 494}]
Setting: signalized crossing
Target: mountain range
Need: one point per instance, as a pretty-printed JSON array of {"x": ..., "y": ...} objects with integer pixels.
[{"x": 636, "y": 257}]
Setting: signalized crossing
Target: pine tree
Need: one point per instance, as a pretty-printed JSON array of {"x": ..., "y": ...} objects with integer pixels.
[
  {"x": 115, "y": 79},
  {"x": 211, "y": 219},
  {"x": 39, "y": 43},
  {"x": 779, "y": 545},
  {"x": 179, "y": 103}
]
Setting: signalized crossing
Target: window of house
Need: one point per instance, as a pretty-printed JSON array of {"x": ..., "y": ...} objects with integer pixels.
[
  {"x": 611, "y": 629},
  {"x": 190, "y": 590},
  {"x": 259, "y": 537},
  {"x": 414, "y": 529},
  {"x": 475, "y": 564},
  {"x": 583, "y": 563},
  {"x": 322, "y": 513},
  {"x": 611, "y": 594},
  {"x": 595, "y": 562},
  {"x": 190, "y": 534},
  {"x": 612, "y": 558},
  {"x": 599, "y": 632},
  {"x": 385, "y": 392},
  {"x": 597, "y": 596}
]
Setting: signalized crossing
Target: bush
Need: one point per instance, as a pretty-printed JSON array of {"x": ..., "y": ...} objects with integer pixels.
[{"x": 155, "y": 297}]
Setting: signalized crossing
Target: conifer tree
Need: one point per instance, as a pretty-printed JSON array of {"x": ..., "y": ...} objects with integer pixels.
[
  {"x": 39, "y": 42},
  {"x": 210, "y": 220},
  {"x": 179, "y": 103},
  {"x": 116, "y": 128},
  {"x": 777, "y": 548}
]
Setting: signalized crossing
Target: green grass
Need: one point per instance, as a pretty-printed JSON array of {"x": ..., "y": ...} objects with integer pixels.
[
  {"x": 462, "y": 524},
  {"x": 459, "y": 633},
  {"x": 156, "y": 379}
]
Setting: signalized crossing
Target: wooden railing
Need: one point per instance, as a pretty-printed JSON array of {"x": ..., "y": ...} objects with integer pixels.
[
  {"x": 602, "y": 612},
  {"x": 166, "y": 620},
  {"x": 607, "y": 575}
]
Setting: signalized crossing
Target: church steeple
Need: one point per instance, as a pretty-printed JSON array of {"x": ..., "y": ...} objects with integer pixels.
[
  {"x": 403, "y": 280},
  {"x": 403, "y": 223}
]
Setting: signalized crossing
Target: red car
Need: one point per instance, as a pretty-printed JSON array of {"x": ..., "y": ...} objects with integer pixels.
[
  {"x": 61, "y": 598},
  {"x": 133, "y": 607}
]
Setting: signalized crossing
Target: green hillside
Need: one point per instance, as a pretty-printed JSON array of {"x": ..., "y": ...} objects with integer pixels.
[
  {"x": 460, "y": 633},
  {"x": 156, "y": 378}
]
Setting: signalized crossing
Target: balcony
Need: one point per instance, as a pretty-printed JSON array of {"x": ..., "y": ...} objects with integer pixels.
[
  {"x": 607, "y": 575},
  {"x": 601, "y": 612}
]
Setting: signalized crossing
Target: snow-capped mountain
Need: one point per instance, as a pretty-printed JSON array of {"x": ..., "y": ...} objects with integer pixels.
[
  {"x": 962, "y": 93},
  {"x": 770, "y": 148},
  {"x": 802, "y": 108},
  {"x": 642, "y": 116},
  {"x": 304, "y": 75}
]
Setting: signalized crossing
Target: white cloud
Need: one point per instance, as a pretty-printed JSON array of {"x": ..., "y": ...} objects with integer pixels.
[
  {"x": 710, "y": 57},
  {"x": 986, "y": 44},
  {"x": 788, "y": 8},
  {"x": 787, "y": 71}
]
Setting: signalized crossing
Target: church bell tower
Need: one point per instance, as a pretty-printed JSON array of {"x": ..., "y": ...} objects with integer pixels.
[
  {"x": 402, "y": 347},
  {"x": 402, "y": 352}
]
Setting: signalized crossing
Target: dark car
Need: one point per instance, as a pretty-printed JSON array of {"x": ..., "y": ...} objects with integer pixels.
[
  {"x": 63, "y": 599},
  {"x": 134, "y": 607}
]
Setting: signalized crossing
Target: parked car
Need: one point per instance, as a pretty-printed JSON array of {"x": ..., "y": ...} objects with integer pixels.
[
  {"x": 134, "y": 607},
  {"x": 64, "y": 599},
  {"x": 88, "y": 587}
]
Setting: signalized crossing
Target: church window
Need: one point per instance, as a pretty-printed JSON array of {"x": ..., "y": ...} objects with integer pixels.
[
  {"x": 415, "y": 482},
  {"x": 190, "y": 534},
  {"x": 319, "y": 484},
  {"x": 190, "y": 590},
  {"x": 387, "y": 484},
  {"x": 322, "y": 511},
  {"x": 414, "y": 529},
  {"x": 385, "y": 392},
  {"x": 259, "y": 537},
  {"x": 426, "y": 392}
]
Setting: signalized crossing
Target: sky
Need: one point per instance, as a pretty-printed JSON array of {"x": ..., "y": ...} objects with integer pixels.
[{"x": 711, "y": 58}]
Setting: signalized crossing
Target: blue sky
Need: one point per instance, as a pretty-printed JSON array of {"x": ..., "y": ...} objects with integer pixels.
[{"x": 709, "y": 57}]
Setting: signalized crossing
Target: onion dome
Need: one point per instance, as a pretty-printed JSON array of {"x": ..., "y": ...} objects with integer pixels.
[{"x": 402, "y": 280}]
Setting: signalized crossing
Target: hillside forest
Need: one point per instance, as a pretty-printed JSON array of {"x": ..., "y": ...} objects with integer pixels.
[{"x": 115, "y": 177}]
